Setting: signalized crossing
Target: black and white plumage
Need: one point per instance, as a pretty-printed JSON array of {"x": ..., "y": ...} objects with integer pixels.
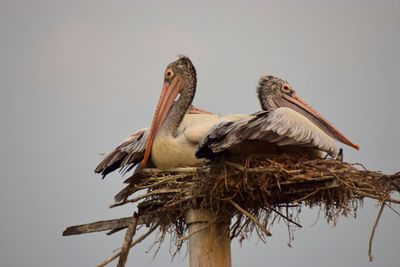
[
  {"x": 288, "y": 124},
  {"x": 126, "y": 155}
]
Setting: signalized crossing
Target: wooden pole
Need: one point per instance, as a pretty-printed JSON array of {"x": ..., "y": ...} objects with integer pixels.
[{"x": 209, "y": 241}]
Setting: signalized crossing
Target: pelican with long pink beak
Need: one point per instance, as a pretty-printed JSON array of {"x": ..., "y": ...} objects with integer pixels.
[
  {"x": 169, "y": 144},
  {"x": 176, "y": 129},
  {"x": 287, "y": 125}
]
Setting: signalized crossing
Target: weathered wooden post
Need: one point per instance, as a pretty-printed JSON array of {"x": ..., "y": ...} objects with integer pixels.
[{"x": 209, "y": 241}]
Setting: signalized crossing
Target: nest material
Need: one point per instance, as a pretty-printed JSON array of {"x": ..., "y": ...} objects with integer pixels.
[
  {"x": 251, "y": 189},
  {"x": 254, "y": 192}
]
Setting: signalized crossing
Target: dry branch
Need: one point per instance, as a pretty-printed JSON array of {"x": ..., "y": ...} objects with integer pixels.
[
  {"x": 115, "y": 224},
  {"x": 130, "y": 232},
  {"x": 373, "y": 231},
  {"x": 140, "y": 239},
  {"x": 251, "y": 217}
]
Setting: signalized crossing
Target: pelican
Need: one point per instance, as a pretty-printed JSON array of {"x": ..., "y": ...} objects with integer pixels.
[
  {"x": 175, "y": 132},
  {"x": 287, "y": 125}
]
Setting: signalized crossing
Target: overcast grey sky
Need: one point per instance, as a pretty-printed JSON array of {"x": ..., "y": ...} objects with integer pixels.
[{"x": 76, "y": 77}]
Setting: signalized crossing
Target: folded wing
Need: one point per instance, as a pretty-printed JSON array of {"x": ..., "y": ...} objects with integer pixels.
[
  {"x": 280, "y": 127},
  {"x": 126, "y": 155}
]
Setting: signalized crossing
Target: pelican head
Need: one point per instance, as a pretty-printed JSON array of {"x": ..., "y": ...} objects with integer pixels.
[{"x": 274, "y": 93}]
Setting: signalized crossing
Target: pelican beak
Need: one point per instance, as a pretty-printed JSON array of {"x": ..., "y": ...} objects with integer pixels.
[
  {"x": 168, "y": 95},
  {"x": 298, "y": 104}
]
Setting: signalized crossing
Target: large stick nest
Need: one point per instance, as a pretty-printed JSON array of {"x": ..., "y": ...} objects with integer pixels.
[
  {"x": 254, "y": 192},
  {"x": 251, "y": 189}
]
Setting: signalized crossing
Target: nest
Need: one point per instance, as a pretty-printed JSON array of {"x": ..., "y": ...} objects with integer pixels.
[{"x": 253, "y": 191}]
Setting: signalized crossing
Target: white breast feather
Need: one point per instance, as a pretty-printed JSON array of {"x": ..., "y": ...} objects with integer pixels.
[{"x": 287, "y": 122}]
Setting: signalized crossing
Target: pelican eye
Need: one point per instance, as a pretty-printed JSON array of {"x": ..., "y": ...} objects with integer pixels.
[
  {"x": 169, "y": 73},
  {"x": 286, "y": 89}
]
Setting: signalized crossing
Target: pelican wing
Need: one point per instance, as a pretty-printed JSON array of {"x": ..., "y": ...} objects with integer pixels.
[
  {"x": 127, "y": 154},
  {"x": 282, "y": 127}
]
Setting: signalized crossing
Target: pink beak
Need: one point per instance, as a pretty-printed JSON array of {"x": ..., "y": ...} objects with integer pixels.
[
  {"x": 168, "y": 94},
  {"x": 301, "y": 106}
]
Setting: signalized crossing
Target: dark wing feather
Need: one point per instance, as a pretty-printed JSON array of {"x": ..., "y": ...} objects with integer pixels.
[
  {"x": 282, "y": 127},
  {"x": 221, "y": 137},
  {"x": 126, "y": 155}
]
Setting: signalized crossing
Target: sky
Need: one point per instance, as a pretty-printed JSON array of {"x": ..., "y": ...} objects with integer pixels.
[{"x": 77, "y": 77}]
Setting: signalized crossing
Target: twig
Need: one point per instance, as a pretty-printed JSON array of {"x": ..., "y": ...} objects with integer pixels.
[
  {"x": 395, "y": 211},
  {"x": 183, "y": 238},
  {"x": 151, "y": 193},
  {"x": 258, "y": 169},
  {"x": 358, "y": 164},
  {"x": 373, "y": 231},
  {"x": 140, "y": 239},
  {"x": 130, "y": 232},
  {"x": 251, "y": 217},
  {"x": 305, "y": 197},
  {"x": 160, "y": 182},
  {"x": 285, "y": 217},
  {"x": 168, "y": 205},
  {"x": 377, "y": 197},
  {"x": 116, "y": 230},
  {"x": 179, "y": 170},
  {"x": 302, "y": 180}
]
